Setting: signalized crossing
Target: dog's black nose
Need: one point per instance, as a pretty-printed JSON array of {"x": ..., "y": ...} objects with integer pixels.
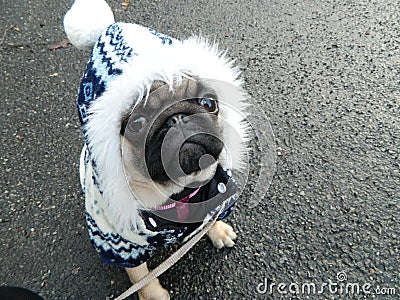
[{"x": 175, "y": 119}]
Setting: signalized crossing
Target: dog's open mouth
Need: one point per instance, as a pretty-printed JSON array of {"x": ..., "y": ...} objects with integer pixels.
[
  {"x": 182, "y": 209},
  {"x": 193, "y": 203}
]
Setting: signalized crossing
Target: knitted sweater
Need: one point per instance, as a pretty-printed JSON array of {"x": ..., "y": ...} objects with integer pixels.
[{"x": 124, "y": 62}]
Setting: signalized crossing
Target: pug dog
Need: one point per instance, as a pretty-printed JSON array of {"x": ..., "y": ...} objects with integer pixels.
[
  {"x": 189, "y": 115},
  {"x": 163, "y": 136}
]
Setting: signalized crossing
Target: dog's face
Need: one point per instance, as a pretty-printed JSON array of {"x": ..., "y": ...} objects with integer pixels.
[{"x": 174, "y": 138}]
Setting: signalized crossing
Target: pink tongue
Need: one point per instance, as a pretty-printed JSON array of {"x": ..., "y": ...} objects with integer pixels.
[
  {"x": 182, "y": 207},
  {"x": 182, "y": 210}
]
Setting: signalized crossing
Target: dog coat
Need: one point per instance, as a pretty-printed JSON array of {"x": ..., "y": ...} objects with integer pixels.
[
  {"x": 124, "y": 62},
  {"x": 130, "y": 248}
]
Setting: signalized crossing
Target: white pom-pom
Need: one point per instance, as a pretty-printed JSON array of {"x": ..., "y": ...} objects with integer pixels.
[{"x": 85, "y": 21}]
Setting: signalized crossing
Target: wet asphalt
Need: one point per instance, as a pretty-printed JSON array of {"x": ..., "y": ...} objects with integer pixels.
[{"x": 327, "y": 75}]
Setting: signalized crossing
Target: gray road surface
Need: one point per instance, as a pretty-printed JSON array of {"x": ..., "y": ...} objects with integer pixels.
[{"x": 326, "y": 73}]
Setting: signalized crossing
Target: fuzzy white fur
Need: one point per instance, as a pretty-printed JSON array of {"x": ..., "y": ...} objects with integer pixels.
[{"x": 85, "y": 20}]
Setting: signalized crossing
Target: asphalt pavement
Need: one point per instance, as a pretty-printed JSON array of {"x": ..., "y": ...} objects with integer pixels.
[{"x": 327, "y": 75}]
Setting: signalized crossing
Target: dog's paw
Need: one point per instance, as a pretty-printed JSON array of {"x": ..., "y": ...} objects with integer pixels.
[
  {"x": 153, "y": 291},
  {"x": 222, "y": 235}
]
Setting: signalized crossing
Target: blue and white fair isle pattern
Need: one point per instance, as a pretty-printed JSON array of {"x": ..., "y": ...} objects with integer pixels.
[
  {"x": 129, "y": 249},
  {"x": 106, "y": 63}
]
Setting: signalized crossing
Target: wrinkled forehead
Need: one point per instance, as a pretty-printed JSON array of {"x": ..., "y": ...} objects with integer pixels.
[{"x": 163, "y": 95}]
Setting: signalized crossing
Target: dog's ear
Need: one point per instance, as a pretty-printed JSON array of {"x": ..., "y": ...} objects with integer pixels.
[
  {"x": 156, "y": 85},
  {"x": 125, "y": 118}
]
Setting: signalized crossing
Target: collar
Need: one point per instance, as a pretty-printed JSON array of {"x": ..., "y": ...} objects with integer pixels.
[
  {"x": 189, "y": 208},
  {"x": 182, "y": 206}
]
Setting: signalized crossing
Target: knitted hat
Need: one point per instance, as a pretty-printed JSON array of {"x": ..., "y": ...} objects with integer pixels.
[{"x": 124, "y": 62}]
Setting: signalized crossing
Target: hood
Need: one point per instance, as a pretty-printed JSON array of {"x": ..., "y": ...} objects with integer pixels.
[{"x": 124, "y": 62}]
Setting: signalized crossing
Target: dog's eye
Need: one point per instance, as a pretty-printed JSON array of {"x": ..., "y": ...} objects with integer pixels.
[
  {"x": 209, "y": 104},
  {"x": 137, "y": 124}
]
